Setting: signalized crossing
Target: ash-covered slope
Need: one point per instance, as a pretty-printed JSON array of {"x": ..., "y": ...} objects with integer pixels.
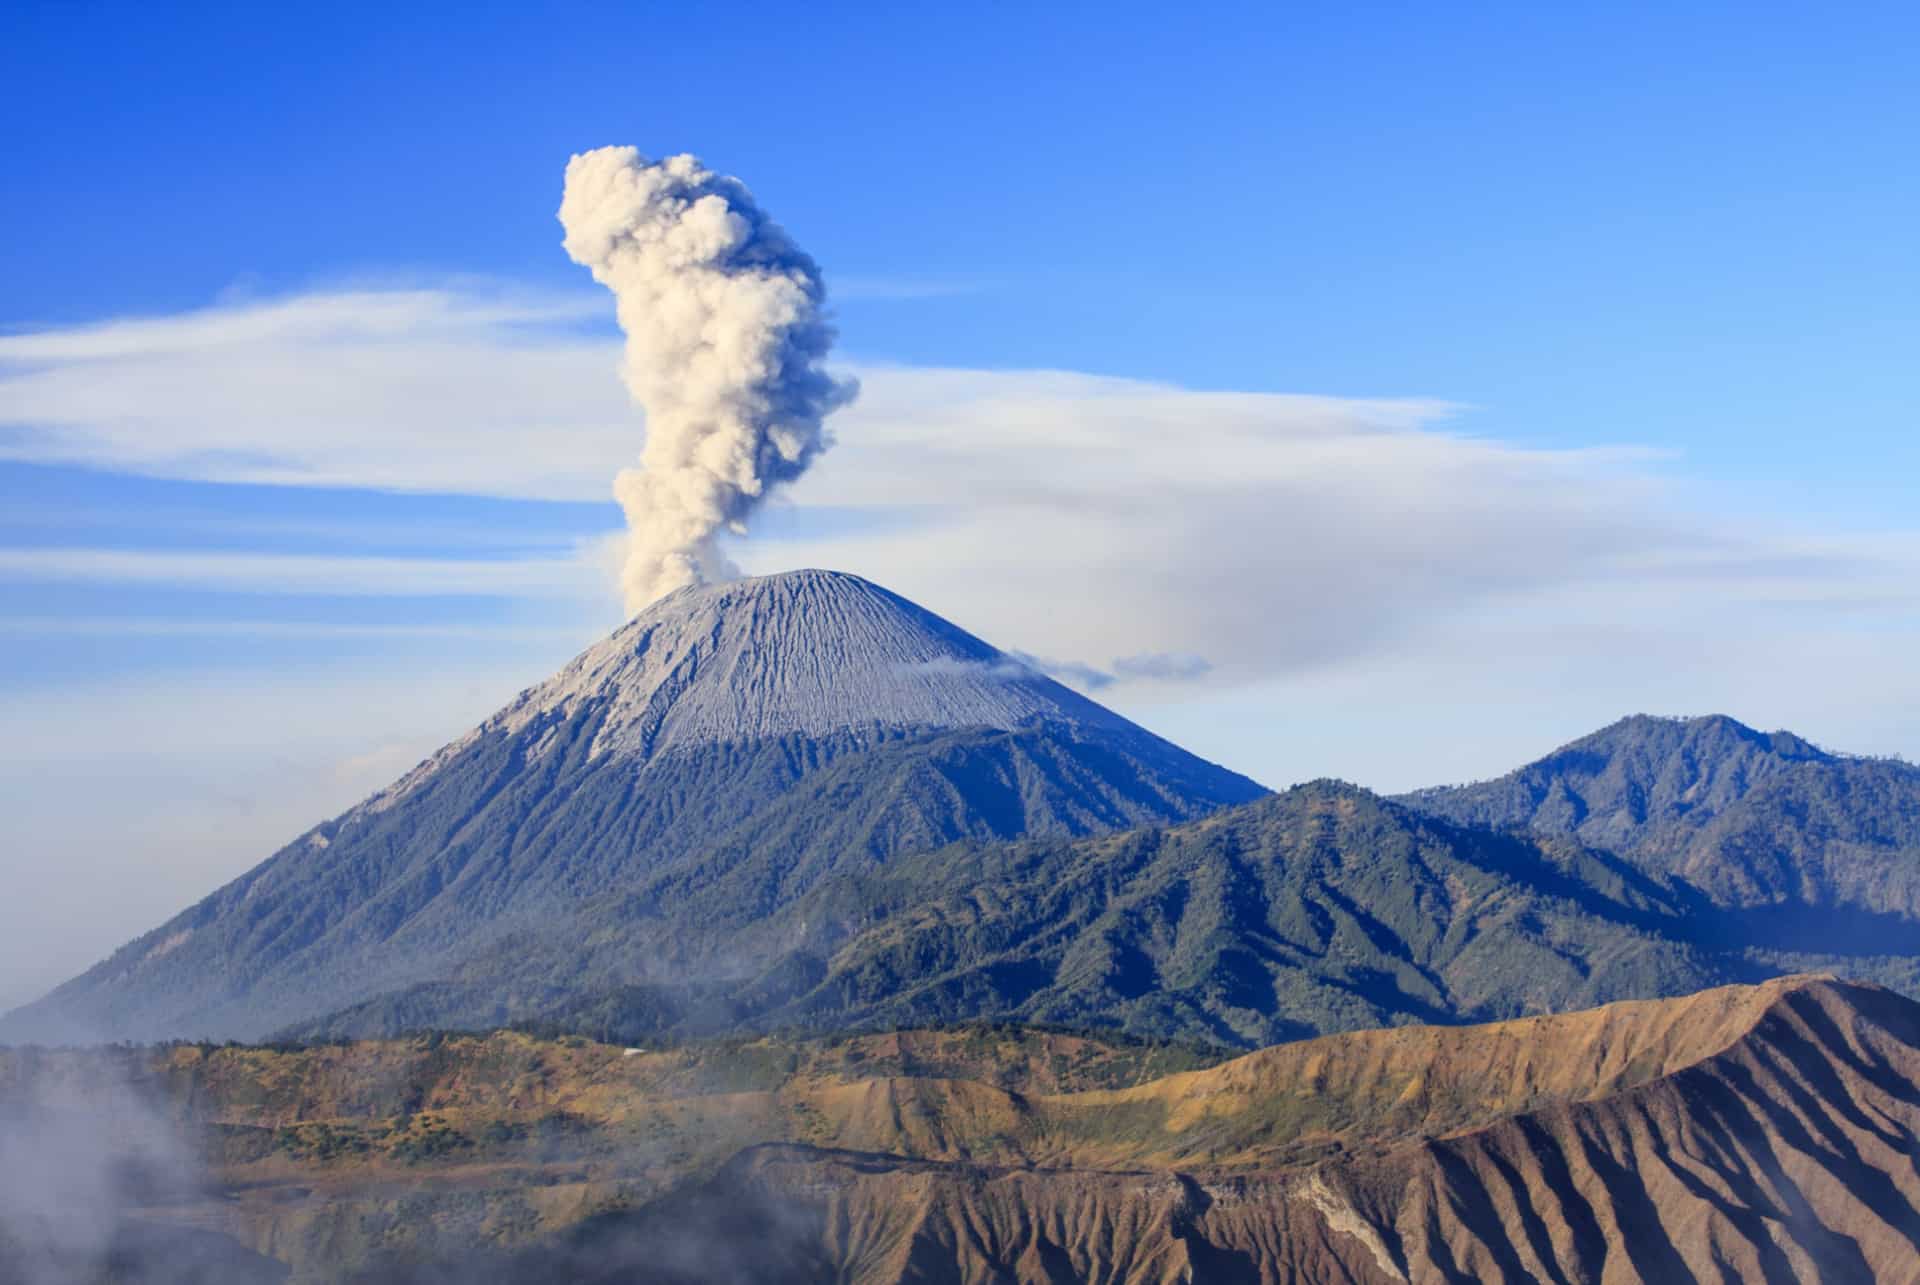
[
  {"x": 688, "y": 726},
  {"x": 818, "y": 654},
  {"x": 1763, "y": 821}
]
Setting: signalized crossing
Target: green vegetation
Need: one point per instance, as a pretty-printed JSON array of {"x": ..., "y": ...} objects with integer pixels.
[
  {"x": 1324, "y": 909},
  {"x": 1757, "y": 821},
  {"x": 521, "y": 882},
  {"x": 1653, "y": 858}
]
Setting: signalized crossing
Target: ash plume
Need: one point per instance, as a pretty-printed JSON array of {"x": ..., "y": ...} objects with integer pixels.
[{"x": 726, "y": 335}]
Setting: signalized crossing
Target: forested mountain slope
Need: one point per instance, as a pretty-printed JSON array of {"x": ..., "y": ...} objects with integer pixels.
[
  {"x": 683, "y": 731},
  {"x": 1752, "y": 819}
]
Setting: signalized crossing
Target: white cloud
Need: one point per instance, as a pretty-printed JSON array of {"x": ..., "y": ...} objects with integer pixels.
[
  {"x": 218, "y": 627},
  {"x": 1163, "y": 666},
  {"x": 350, "y": 317},
  {"x": 420, "y": 390},
  {"x": 1100, "y": 519},
  {"x": 295, "y": 573},
  {"x": 1480, "y": 691},
  {"x": 1082, "y": 518}
]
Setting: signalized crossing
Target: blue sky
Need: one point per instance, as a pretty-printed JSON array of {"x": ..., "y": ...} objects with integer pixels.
[
  {"x": 1471, "y": 376},
  {"x": 1688, "y": 224}
]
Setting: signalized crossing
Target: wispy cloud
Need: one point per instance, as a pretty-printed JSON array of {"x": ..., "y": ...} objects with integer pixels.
[
  {"x": 215, "y": 627},
  {"x": 1074, "y": 673},
  {"x": 1163, "y": 666},
  {"x": 416, "y": 390},
  {"x": 1081, "y": 517},
  {"x": 314, "y": 574},
  {"x": 340, "y": 317},
  {"x": 1085, "y": 517}
]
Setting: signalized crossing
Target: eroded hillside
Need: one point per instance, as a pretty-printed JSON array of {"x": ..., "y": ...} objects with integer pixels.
[{"x": 1769, "y": 1130}]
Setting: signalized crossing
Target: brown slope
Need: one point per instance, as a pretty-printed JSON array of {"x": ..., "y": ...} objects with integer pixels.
[
  {"x": 1790, "y": 1155},
  {"x": 1768, "y": 1132},
  {"x": 337, "y": 1157},
  {"x": 1789, "y": 1150},
  {"x": 1374, "y": 1088}
]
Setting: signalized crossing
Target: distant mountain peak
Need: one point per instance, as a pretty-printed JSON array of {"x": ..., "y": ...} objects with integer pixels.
[
  {"x": 1694, "y": 733},
  {"x": 1748, "y": 817}
]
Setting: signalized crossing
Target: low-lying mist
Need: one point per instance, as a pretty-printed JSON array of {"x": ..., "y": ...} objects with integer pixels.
[{"x": 91, "y": 1160}]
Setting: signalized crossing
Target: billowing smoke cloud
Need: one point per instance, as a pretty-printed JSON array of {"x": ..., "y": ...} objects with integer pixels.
[{"x": 726, "y": 335}]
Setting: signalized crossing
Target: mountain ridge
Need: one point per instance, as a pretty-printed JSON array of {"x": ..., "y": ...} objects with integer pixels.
[
  {"x": 590, "y": 857},
  {"x": 1752, "y": 819},
  {"x": 623, "y": 764},
  {"x": 1318, "y": 909}
]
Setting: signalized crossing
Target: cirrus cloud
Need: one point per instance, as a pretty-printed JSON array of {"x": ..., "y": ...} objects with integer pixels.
[{"x": 1139, "y": 532}]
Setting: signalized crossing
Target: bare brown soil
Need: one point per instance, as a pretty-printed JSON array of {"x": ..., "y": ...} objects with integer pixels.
[{"x": 1746, "y": 1133}]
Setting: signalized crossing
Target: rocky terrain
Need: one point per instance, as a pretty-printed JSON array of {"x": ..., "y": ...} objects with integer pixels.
[
  {"x": 1751, "y": 1133},
  {"x": 1628, "y": 1143}
]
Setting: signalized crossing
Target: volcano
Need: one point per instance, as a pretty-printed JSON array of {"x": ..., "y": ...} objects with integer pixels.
[{"x": 633, "y": 825}]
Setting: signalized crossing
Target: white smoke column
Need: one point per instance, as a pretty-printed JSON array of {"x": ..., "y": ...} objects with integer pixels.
[{"x": 726, "y": 332}]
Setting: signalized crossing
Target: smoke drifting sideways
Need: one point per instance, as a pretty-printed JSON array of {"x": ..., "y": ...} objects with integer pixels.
[{"x": 727, "y": 333}]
